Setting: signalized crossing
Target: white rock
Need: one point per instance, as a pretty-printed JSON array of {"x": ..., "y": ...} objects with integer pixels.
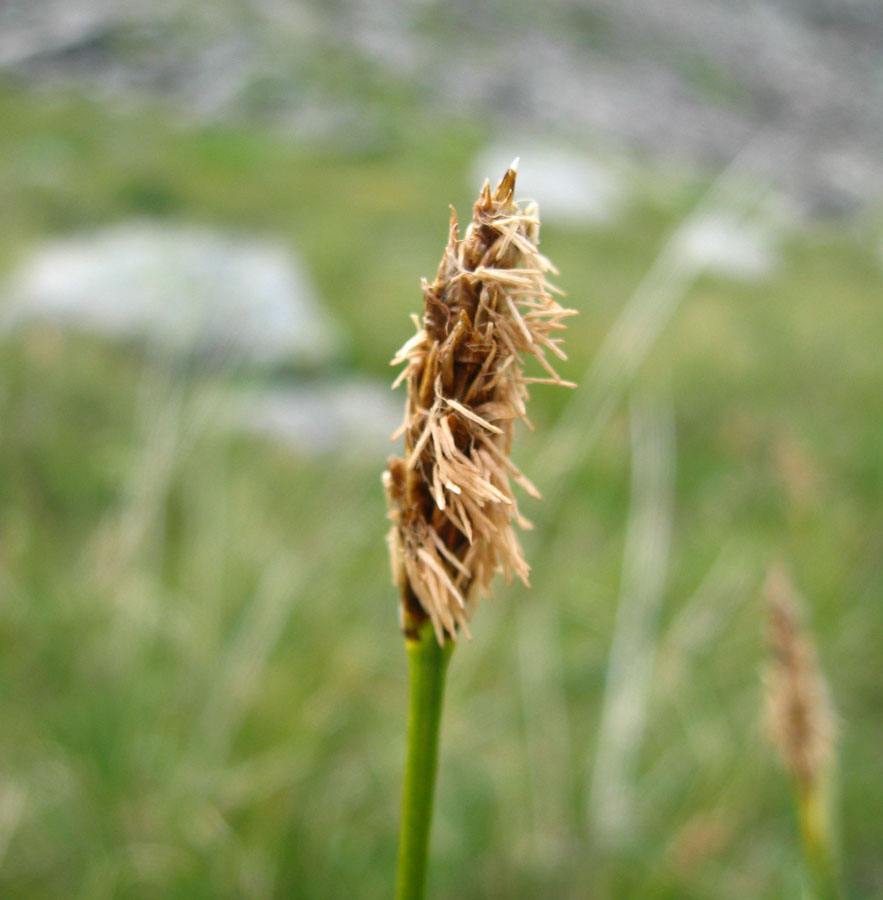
[
  {"x": 570, "y": 188},
  {"x": 720, "y": 242},
  {"x": 182, "y": 289},
  {"x": 319, "y": 416}
]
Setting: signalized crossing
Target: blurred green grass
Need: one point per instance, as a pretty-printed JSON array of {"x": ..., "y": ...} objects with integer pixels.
[{"x": 203, "y": 684}]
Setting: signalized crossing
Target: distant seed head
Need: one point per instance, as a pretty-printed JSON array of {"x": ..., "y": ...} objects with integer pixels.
[
  {"x": 488, "y": 310},
  {"x": 799, "y": 714}
]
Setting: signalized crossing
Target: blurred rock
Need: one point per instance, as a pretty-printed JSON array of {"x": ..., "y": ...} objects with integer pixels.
[
  {"x": 321, "y": 416},
  {"x": 56, "y": 28},
  {"x": 686, "y": 81},
  {"x": 719, "y": 242},
  {"x": 183, "y": 290},
  {"x": 572, "y": 188}
]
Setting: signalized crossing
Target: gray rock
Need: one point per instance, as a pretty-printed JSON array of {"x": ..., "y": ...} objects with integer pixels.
[
  {"x": 684, "y": 81},
  {"x": 320, "y": 416},
  {"x": 571, "y": 188},
  {"x": 183, "y": 290},
  {"x": 721, "y": 243}
]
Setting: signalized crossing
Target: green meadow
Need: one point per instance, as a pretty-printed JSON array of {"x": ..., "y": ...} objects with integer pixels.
[{"x": 202, "y": 682}]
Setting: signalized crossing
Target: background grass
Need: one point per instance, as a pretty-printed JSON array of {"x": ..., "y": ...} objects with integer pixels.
[{"x": 203, "y": 686}]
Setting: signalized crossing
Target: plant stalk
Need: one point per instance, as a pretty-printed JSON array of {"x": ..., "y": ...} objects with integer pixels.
[
  {"x": 427, "y": 666},
  {"x": 816, "y": 836}
]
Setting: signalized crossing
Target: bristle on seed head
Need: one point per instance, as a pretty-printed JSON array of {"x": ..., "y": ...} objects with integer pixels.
[{"x": 488, "y": 311}]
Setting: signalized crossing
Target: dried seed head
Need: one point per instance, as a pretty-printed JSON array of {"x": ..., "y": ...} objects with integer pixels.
[
  {"x": 799, "y": 714},
  {"x": 488, "y": 310}
]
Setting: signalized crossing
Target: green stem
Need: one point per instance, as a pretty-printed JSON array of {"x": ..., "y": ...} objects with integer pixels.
[
  {"x": 427, "y": 662},
  {"x": 813, "y": 813}
]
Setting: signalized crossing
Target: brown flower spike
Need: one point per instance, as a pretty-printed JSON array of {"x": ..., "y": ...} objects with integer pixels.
[
  {"x": 449, "y": 499},
  {"x": 798, "y": 710}
]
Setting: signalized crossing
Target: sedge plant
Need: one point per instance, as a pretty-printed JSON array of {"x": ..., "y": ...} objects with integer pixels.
[
  {"x": 801, "y": 724},
  {"x": 489, "y": 312}
]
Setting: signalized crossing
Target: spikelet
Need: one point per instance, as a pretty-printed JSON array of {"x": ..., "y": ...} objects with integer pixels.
[
  {"x": 799, "y": 714},
  {"x": 450, "y": 500}
]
